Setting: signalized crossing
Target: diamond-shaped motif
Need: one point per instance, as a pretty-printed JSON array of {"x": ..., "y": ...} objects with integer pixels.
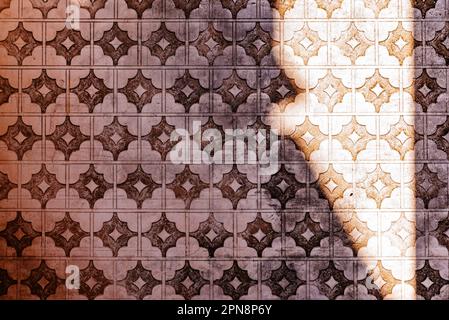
[
  {"x": 163, "y": 235},
  {"x": 19, "y": 234},
  {"x": 115, "y": 43},
  {"x": 354, "y": 137},
  {"x": 307, "y": 137},
  {"x": 115, "y": 138},
  {"x": 235, "y": 90},
  {"x": 402, "y": 137},
  {"x": 92, "y": 186},
  {"x": 50, "y": 91},
  {"x": 20, "y": 137},
  {"x": 235, "y": 281},
  {"x": 331, "y": 282},
  {"x": 353, "y": 42},
  {"x": 157, "y": 138},
  {"x": 68, "y": 43},
  {"x": 211, "y": 43},
  {"x": 306, "y": 42},
  {"x": 379, "y": 185},
  {"x": 43, "y": 281},
  {"x": 283, "y": 281},
  {"x": 44, "y": 90},
  {"x": 67, "y": 234},
  {"x": 20, "y": 43},
  {"x": 283, "y": 90},
  {"x": 425, "y": 90},
  {"x": 283, "y": 185},
  {"x": 235, "y": 186},
  {"x": 259, "y": 234},
  {"x": 355, "y": 234},
  {"x": 308, "y": 234},
  {"x": 404, "y": 234},
  {"x": 91, "y": 90},
  {"x": 139, "y": 282},
  {"x": 187, "y": 281},
  {"x": 93, "y": 282},
  {"x": 428, "y": 185},
  {"x": 427, "y": 283},
  {"x": 211, "y": 234},
  {"x": 68, "y": 138},
  {"x": 187, "y": 186},
  {"x": 377, "y": 89},
  {"x": 331, "y": 185},
  {"x": 158, "y": 234},
  {"x": 400, "y": 43},
  {"x": 163, "y": 43},
  {"x": 284, "y": 194},
  {"x": 43, "y": 180},
  {"x": 139, "y": 186},
  {"x": 43, "y": 186},
  {"x": 139, "y": 90},
  {"x": 84, "y": 192},
  {"x": 257, "y": 43},
  {"x": 187, "y": 91},
  {"x": 115, "y": 234},
  {"x": 330, "y": 90}
]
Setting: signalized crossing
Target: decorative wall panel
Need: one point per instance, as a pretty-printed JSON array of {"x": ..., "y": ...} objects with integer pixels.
[{"x": 354, "y": 93}]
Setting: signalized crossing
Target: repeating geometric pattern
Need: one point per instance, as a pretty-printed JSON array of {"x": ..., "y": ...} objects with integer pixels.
[{"x": 356, "y": 90}]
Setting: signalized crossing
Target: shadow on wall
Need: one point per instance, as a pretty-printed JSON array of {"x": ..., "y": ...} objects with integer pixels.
[
  {"x": 428, "y": 91},
  {"x": 342, "y": 108},
  {"x": 332, "y": 181},
  {"x": 390, "y": 75}
]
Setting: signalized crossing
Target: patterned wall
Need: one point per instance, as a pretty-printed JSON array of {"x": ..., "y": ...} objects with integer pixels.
[{"x": 356, "y": 89}]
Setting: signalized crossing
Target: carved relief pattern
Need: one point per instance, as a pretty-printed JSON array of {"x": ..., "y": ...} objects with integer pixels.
[{"x": 356, "y": 94}]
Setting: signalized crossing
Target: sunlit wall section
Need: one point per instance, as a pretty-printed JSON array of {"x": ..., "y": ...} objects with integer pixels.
[{"x": 353, "y": 119}]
